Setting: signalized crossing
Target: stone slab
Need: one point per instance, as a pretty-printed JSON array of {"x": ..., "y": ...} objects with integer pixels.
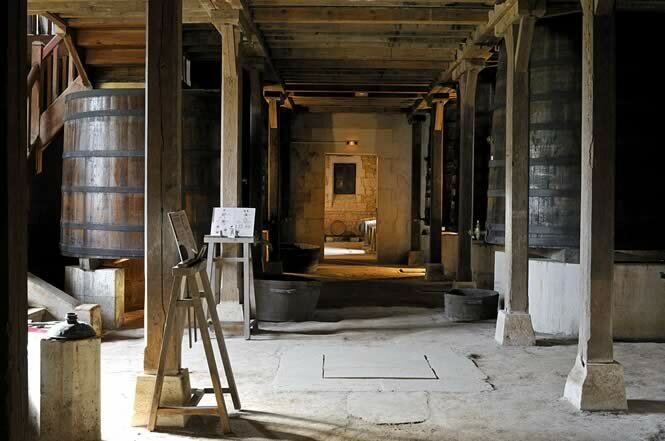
[
  {"x": 388, "y": 407},
  {"x": 376, "y": 363},
  {"x": 300, "y": 369}
]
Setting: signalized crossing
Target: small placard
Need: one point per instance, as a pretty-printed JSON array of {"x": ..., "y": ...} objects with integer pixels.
[
  {"x": 183, "y": 235},
  {"x": 232, "y": 222}
]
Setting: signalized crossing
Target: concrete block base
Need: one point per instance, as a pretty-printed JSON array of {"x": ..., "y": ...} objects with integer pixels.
[
  {"x": 434, "y": 272},
  {"x": 92, "y": 315},
  {"x": 176, "y": 392},
  {"x": 416, "y": 258},
  {"x": 596, "y": 386},
  {"x": 70, "y": 392},
  {"x": 514, "y": 329},
  {"x": 105, "y": 287}
]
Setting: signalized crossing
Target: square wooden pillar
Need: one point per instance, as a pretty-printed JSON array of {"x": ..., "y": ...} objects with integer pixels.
[
  {"x": 596, "y": 381},
  {"x": 468, "y": 83},
  {"x": 13, "y": 227},
  {"x": 434, "y": 268},
  {"x": 513, "y": 326},
  {"x": 163, "y": 189}
]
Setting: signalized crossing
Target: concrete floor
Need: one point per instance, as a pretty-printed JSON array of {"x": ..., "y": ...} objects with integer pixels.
[{"x": 520, "y": 399}]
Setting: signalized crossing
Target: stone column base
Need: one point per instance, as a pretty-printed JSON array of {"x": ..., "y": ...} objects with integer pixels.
[
  {"x": 596, "y": 386},
  {"x": 416, "y": 258},
  {"x": 176, "y": 392},
  {"x": 514, "y": 329},
  {"x": 434, "y": 272}
]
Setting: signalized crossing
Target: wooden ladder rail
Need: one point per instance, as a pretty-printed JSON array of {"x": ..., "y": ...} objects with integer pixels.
[{"x": 194, "y": 282}]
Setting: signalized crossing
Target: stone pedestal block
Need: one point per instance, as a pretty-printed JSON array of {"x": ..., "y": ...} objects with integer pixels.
[
  {"x": 92, "y": 315},
  {"x": 416, "y": 258},
  {"x": 105, "y": 287},
  {"x": 596, "y": 386},
  {"x": 434, "y": 272},
  {"x": 70, "y": 396},
  {"x": 514, "y": 329},
  {"x": 176, "y": 392}
]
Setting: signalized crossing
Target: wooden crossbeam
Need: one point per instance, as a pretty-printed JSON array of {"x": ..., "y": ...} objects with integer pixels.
[
  {"x": 373, "y": 53},
  {"x": 338, "y": 63},
  {"x": 370, "y": 15}
]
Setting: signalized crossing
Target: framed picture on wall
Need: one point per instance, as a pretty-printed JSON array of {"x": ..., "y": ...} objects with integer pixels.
[{"x": 345, "y": 178}]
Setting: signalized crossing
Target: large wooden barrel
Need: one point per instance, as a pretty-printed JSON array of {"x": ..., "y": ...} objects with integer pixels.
[
  {"x": 102, "y": 174},
  {"x": 554, "y": 137},
  {"x": 201, "y": 134},
  {"x": 103, "y": 170}
]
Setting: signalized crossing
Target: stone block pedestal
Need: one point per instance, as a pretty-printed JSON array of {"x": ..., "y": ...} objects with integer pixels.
[
  {"x": 104, "y": 287},
  {"x": 514, "y": 329},
  {"x": 176, "y": 392},
  {"x": 434, "y": 272},
  {"x": 416, "y": 258},
  {"x": 596, "y": 386},
  {"x": 69, "y": 392}
]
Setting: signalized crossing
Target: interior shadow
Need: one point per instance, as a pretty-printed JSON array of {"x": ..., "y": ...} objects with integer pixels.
[{"x": 646, "y": 407}]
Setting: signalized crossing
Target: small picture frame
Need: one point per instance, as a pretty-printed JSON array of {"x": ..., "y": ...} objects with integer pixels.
[{"x": 344, "y": 175}]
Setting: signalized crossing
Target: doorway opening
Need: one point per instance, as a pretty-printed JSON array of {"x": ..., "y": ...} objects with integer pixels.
[{"x": 350, "y": 214}]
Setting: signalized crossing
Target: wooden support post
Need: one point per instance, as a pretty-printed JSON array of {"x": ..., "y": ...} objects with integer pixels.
[
  {"x": 513, "y": 325},
  {"x": 257, "y": 159},
  {"x": 596, "y": 381},
  {"x": 230, "y": 187},
  {"x": 273, "y": 177},
  {"x": 13, "y": 228},
  {"x": 35, "y": 95},
  {"x": 416, "y": 167},
  {"x": 163, "y": 168},
  {"x": 435, "y": 270},
  {"x": 468, "y": 82}
]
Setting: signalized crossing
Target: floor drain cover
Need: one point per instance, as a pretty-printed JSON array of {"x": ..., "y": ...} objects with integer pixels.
[{"x": 376, "y": 364}]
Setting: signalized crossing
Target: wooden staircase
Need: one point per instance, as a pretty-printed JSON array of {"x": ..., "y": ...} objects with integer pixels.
[{"x": 55, "y": 72}]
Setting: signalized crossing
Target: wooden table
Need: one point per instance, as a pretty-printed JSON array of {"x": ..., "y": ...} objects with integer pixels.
[{"x": 215, "y": 252}]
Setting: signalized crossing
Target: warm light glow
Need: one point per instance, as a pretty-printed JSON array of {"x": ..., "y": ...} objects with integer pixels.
[
  {"x": 352, "y": 143},
  {"x": 336, "y": 251}
]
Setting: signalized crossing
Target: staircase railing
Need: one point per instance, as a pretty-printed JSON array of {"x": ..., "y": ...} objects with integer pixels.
[{"x": 52, "y": 76}]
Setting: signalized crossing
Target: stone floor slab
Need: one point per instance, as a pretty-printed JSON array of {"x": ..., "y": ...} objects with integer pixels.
[{"x": 389, "y": 407}]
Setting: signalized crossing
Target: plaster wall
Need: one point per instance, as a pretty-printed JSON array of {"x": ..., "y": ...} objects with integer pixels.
[
  {"x": 388, "y": 136},
  {"x": 555, "y": 297}
]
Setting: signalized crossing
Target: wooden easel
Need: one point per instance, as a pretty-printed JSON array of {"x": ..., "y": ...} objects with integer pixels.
[{"x": 190, "y": 285}]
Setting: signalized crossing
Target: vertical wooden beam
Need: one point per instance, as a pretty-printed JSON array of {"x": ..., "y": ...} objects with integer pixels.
[
  {"x": 514, "y": 322},
  {"x": 468, "y": 83},
  {"x": 257, "y": 158},
  {"x": 596, "y": 381},
  {"x": 163, "y": 165},
  {"x": 416, "y": 167},
  {"x": 231, "y": 158},
  {"x": 274, "y": 145},
  {"x": 35, "y": 94},
  {"x": 435, "y": 269},
  {"x": 13, "y": 228}
]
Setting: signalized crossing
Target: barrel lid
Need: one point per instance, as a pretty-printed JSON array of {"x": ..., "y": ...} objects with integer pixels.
[{"x": 103, "y": 92}]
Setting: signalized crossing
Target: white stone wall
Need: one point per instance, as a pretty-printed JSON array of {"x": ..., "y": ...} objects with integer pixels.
[
  {"x": 388, "y": 136},
  {"x": 555, "y": 297}
]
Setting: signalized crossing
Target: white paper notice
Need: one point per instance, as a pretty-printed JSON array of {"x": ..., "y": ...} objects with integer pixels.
[{"x": 232, "y": 222}]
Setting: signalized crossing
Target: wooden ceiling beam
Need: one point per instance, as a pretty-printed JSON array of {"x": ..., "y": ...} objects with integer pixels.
[
  {"x": 322, "y": 64},
  {"x": 370, "y": 15},
  {"x": 343, "y": 88},
  {"x": 373, "y": 3},
  {"x": 374, "y": 53},
  {"x": 362, "y": 44}
]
